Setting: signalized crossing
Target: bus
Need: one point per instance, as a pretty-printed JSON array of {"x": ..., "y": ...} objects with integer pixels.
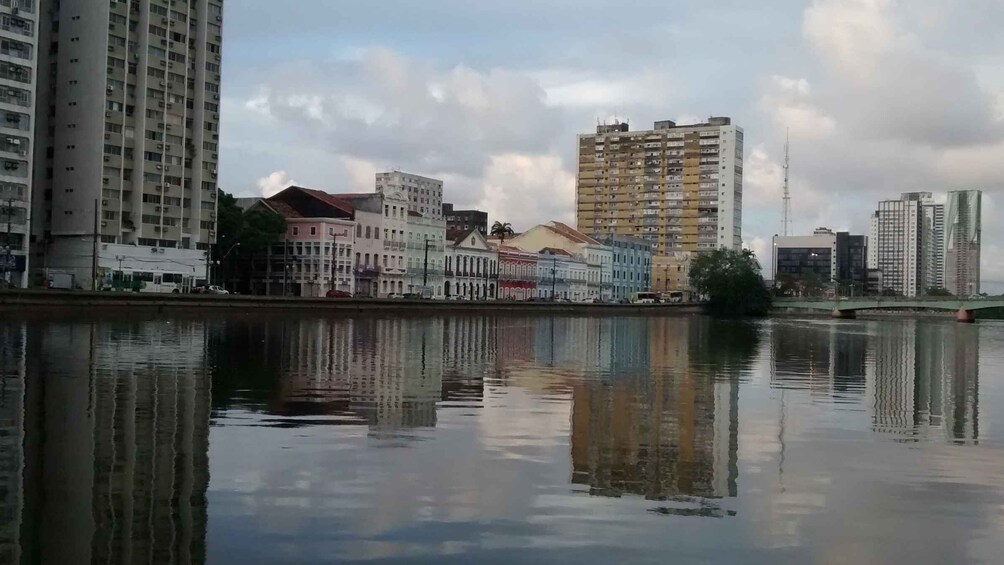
[
  {"x": 644, "y": 298},
  {"x": 168, "y": 283}
]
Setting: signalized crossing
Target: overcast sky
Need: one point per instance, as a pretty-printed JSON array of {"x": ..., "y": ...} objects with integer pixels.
[{"x": 881, "y": 97}]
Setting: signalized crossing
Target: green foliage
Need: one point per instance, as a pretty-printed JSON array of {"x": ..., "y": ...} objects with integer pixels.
[
  {"x": 502, "y": 229},
  {"x": 812, "y": 285},
  {"x": 731, "y": 282},
  {"x": 254, "y": 230},
  {"x": 785, "y": 284},
  {"x": 936, "y": 291}
]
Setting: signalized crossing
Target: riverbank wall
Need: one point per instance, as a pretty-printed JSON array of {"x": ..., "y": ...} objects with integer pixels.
[{"x": 26, "y": 300}]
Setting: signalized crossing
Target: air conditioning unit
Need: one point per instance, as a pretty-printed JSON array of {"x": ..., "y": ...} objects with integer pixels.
[
  {"x": 108, "y": 136},
  {"x": 163, "y": 83},
  {"x": 104, "y": 201},
  {"x": 160, "y": 104},
  {"x": 104, "y": 224},
  {"x": 163, "y": 20},
  {"x": 156, "y": 208},
  {"x": 163, "y": 63},
  {"x": 107, "y": 158},
  {"x": 160, "y": 167},
  {"x": 160, "y": 146}
]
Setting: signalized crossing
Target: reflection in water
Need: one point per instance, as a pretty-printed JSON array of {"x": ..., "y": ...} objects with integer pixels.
[
  {"x": 921, "y": 378},
  {"x": 114, "y": 433},
  {"x": 104, "y": 426}
]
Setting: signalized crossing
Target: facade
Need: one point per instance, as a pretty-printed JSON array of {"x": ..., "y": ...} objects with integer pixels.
[
  {"x": 426, "y": 255},
  {"x": 908, "y": 239},
  {"x": 517, "y": 273},
  {"x": 463, "y": 220},
  {"x": 557, "y": 235},
  {"x": 963, "y": 241},
  {"x": 126, "y": 184},
  {"x": 678, "y": 187},
  {"x": 424, "y": 195},
  {"x": 562, "y": 275},
  {"x": 316, "y": 253},
  {"x": 471, "y": 266},
  {"x": 671, "y": 273},
  {"x": 18, "y": 79},
  {"x": 381, "y": 246},
  {"x": 833, "y": 258},
  {"x": 631, "y": 266}
]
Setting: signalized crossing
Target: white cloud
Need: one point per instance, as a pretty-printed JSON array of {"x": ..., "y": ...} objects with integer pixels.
[
  {"x": 527, "y": 189},
  {"x": 788, "y": 102},
  {"x": 274, "y": 183}
]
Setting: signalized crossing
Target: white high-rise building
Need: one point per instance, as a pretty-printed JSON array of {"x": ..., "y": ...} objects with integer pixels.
[
  {"x": 963, "y": 242},
  {"x": 906, "y": 243},
  {"x": 18, "y": 56},
  {"x": 677, "y": 186},
  {"x": 425, "y": 195},
  {"x": 128, "y": 131}
]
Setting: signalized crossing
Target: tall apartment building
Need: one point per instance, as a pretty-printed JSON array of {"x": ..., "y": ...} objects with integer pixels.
[
  {"x": 425, "y": 195},
  {"x": 908, "y": 236},
  {"x": 129, "y": 121},
  {"x": 963, "y": 239},
  {"x": 18, "y": 55},
  {"x": 679, "y": 187}
]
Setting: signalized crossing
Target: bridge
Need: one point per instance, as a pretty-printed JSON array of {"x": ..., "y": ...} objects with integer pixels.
[{"x": 965, "y": 308}]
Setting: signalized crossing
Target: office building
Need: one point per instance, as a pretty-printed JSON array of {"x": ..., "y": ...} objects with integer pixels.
[
  {"x": 833, "y": 258},
  {"x": 19, "y": 34},
  {"x": 678, "y": 187},
  {"x": 464, "y": 220},
  {"x": 632, "y": 264},
  {"x": 128, "y": 140},
  {"x": 424, "y": 195},
  {"x": 908, "y": 237},
  {"x": 963, "y": 237}
]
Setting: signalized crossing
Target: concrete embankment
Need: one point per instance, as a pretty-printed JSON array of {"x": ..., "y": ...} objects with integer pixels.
[{"x": 25, "y": 300}]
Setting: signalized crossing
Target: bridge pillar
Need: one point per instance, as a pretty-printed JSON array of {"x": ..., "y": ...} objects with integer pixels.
[
  {"x": 843, "y": 314},
  {"x": 965, "y": 316}
]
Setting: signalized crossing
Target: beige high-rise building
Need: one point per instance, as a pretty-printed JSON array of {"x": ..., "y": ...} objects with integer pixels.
[
  {"x": 679, "y": 187},
  {"x": 127, "y": 127}
]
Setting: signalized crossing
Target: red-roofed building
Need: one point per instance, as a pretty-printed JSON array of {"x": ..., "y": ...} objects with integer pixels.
[{"x": 598, "y": 257}]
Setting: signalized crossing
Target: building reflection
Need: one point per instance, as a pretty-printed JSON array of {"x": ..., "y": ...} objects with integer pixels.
[
  {"x": 920, "y": 379},
  {"x": 110, "y": 430},
  {"x": 662, "y": 431},
  {"x": 926, "y": 381}
]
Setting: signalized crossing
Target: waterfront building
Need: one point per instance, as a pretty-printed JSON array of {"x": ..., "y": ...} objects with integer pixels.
[
  {"x": 423, "y": 194},
  {"x": 562, "y": 275},
  {"x": 463, "y": 220},
  {"x": 908, "y": 237},
  {"x": 471, "y": 266},
  {"x": 677, "y": 186},
  {"x": 671, "y": 273},
  {"x": 631, "y": 267},
  {"x": 557, "y": 235},
  {"x": 381, "y": 246},
  {"x": 426, "y": 255},
  {"x": 517, "y": 272},
  {"x": 963, "y": 241},
  {"x": 125, "y": 172},
  {"x": 833, "y": 258},
  {"x": 316, "y": 253},
  {"x": 18, "y": 81}
]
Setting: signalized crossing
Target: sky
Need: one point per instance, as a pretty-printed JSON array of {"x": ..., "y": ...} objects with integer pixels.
[{"x": 879, "y": 97}]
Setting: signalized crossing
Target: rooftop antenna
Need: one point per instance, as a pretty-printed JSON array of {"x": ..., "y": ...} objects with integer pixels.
[{"x": 787, "y": 195}]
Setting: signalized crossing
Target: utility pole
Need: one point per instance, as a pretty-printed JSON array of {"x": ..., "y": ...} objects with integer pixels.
[
  {"x": 94, "y": 259},
  {"x": 425, "y": 267},
  {"x": 554, "y": 275}
]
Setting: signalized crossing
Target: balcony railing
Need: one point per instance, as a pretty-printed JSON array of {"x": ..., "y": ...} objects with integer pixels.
[{"x": 397, "y": 245}]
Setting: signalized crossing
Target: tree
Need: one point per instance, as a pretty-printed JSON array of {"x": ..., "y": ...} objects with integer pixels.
[
  {"x": 937, "y": 291},
  {"x": 242, "y": 235},
  {"x": 785, "y": 285},
  {"x": 502, "y": 229},
  {"x": 731, "y": 281},
  {"x": 812, "y": 284}
]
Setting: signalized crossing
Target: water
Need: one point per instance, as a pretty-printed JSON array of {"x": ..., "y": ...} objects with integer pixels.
[{"x": 268, "y": 439}]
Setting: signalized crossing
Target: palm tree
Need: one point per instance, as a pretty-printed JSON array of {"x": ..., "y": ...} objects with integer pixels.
[{"x": 502, "y": 229}]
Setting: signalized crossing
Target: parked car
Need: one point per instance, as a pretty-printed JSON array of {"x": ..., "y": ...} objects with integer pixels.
[
  {"x": 338, "y": 294},
  {"x": 209, "y": 289}
]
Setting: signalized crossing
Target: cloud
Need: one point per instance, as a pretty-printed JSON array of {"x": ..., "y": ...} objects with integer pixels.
[
  {"x": 888, "y": 85},
  {"x": 789, "y": 103},
  {"x": 515, "y": 184},
  {"x": 274, "y": 183}
]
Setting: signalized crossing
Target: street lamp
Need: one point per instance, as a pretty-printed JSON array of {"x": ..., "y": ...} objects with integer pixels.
[{"x": 224, "y": 258}]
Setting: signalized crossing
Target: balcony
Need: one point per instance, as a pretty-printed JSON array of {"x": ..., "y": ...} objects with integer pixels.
[
  {"x": 367, "y": 272},
  {"x": 394, "y": 245}
]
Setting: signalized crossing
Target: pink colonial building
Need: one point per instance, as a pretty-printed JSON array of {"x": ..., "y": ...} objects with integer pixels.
[
  {"x": 317, "y": 254},
  {"x": 517, "y": 273}
]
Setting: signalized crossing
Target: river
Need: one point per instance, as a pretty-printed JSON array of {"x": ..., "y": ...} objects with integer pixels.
[{"x": 228, "y": 438}]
